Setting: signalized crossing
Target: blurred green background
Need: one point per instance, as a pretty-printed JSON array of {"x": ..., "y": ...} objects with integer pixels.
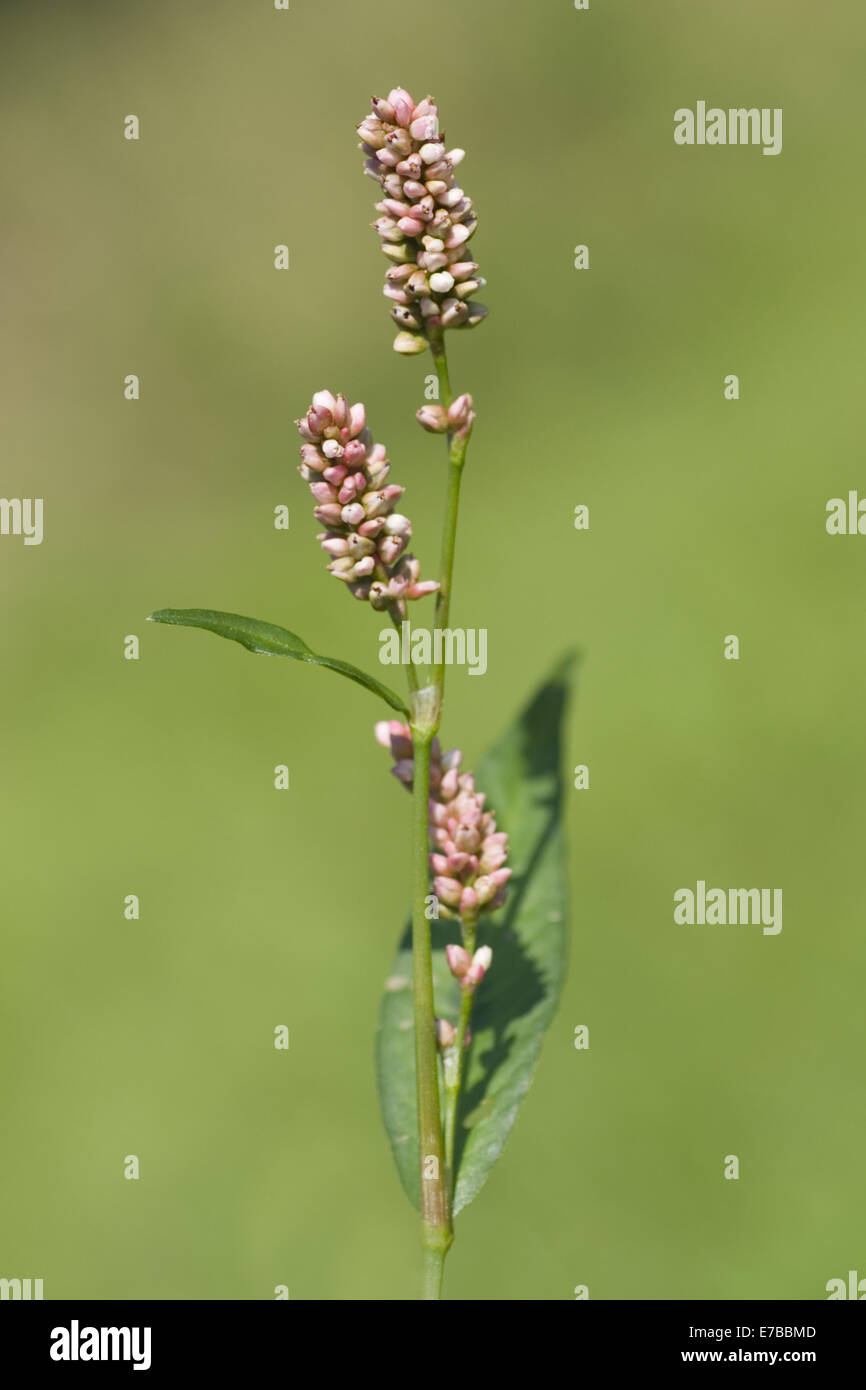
[{"x": 601, "y": 387}]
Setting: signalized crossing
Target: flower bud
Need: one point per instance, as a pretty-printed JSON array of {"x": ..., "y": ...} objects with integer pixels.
[
  {"x": 477, "y": 312},
  {"x": 433, "y": 418},
  {"x": 395, "y": 294},
  {"x": 458, "y": 959},
  {"x": 336, "y": 546},
  {"x": 409, "y": 344},
  {"x": 432, "y": 260},
  {"x": 441, "y": 282},
  {"x": 312, "y": 458},
  {"x": 397, "y": 253},
  {"x": 411, "y": 167},
  {"x": 454, "y": 312},
  {"x": 457, "y": 236},
  {"x": 426, "y": 586},
  {"x": 383, "y": 109},
  {"x": 459, "y": 411},
  {"x": 478, "y": 969},
  {"x": 403, "y": 105},
  {"x": 323, "y": 492},
  {"x": 354, "y": 452},
  {"x": 411, "y": 226},
  {"x": 425, "y": 128},
  {"x": 390, "y": 547},
  {"x": 468, "y": 902},
  {"x": 446, "y": 1034},
  {"x": 432, "y": 152}
]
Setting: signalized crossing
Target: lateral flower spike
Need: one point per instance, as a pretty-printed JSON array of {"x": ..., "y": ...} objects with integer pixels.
[
  {"x": 469, "y": 853},
  {"x": 425, "y": 221},
  {"x": 365, "y": 537}
]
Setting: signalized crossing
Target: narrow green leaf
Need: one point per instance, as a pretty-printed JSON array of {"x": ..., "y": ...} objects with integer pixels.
[
  {"x": 271, "y": 640},
  {"x": 522, "y": 778}
]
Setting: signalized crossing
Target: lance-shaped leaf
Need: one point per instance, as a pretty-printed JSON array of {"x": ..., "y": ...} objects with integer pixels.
[
  {"x": 522, "y": 779},
  {"x": 271, "y": 640}
]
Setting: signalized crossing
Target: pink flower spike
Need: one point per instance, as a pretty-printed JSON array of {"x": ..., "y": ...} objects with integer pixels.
[{"x": 416, "y": 172}]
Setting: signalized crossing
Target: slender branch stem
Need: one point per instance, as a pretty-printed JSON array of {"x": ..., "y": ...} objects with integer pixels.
[
  {"x": 411, "y": 673},
  {"x": 440, "y": 360},
  {"x": 454, "y": 1063},
  {"x": 436, "y": 1232},
  {"x": 457, "y": 444},
  {"x": 434, "y": 1267},
  {"x": 457, "y": 457}
]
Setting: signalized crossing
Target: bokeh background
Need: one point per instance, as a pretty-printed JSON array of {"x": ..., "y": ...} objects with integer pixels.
[{"x": 601, "y": 387}]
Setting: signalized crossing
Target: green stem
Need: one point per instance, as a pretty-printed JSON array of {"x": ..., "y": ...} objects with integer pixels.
[
  {"x": 411, "y": 673},
  {"x": 440, "y": 361},
  {"x": 457, "y": 445},
  {"x": 436, "y": 1161},
  {"x": 436, "y": 1232},
  {"x": 456, "y": 459},
  {"x": 434, "y": 1266},
  {"x": 454, "y": 1063}
]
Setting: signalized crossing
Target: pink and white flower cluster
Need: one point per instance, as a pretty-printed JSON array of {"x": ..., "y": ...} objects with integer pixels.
[
  {"x": 469, "y": 853},
  {"x": 426, "y": 220},
  {"x": 365, "y": 537}
]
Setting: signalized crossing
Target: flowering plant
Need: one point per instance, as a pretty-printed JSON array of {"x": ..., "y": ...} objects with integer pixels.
[{"x": 449, "y": 1091}]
